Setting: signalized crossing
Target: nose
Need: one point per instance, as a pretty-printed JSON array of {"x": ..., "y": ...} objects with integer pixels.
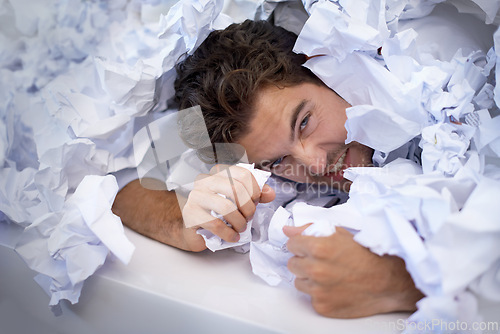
[{"x": 312, "y": 157}]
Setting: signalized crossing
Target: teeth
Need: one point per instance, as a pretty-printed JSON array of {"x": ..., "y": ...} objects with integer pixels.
[{"x": 338, "y": 166}]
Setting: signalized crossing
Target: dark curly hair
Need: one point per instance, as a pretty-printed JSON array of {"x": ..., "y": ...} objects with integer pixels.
[{"x": 225, "y": 73}]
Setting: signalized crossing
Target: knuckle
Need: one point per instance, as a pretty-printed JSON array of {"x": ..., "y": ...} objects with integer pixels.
[
  {"x": 220, "y": 229},
  {"x": 193, "y": 201},
  {"x": 291, "y": 246},
  {"x": 248, "y": 208},
  {"x": 239, "y": 189},
  {"x": 240, "y": 228},
  {"x": 292, "y": 264},
  {"x": 217, "y": 226},
  {"x": 319, "y": 249},
  {"x": 242, "y": 174},
  {"x": 227, "y": 207},
  {"x": 193, "y": 196},
  {"x": 207, "y": 223},
  {"x": 316, "y": 273}
]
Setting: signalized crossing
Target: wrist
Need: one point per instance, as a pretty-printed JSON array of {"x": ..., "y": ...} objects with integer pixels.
[{"x": 192, "y": 241}]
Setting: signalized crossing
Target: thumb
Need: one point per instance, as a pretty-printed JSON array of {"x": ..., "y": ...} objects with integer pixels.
[
  {"x": 291, "y": 231},
  {"x": 268, "y": 194}
]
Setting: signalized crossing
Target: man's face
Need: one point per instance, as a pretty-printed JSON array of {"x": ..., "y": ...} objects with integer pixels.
[{"x": 298, "y": 133}]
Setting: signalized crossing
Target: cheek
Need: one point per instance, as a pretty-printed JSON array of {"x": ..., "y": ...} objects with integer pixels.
[
  {"x": 331, "y": 125},
  {"x": 337, "y": 123},
  {"x": 330, "y": 131},
  {"x": 339, "y": 128}
]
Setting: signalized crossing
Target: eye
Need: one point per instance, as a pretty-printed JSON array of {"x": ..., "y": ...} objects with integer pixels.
[
  {"x": 304, "y": 122},
  {"x": 276, "y": 163}
]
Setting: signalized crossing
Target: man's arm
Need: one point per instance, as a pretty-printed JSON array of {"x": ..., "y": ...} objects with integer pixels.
[
  {"x": 347, "y": 280},
  {"x": 155, "y": 214}
]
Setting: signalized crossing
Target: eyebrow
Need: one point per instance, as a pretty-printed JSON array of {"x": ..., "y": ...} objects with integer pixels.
[{"x": 296, "y": 111}]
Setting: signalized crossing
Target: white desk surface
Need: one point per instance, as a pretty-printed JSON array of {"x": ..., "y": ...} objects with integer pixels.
[{"x": 166, "y": 290}]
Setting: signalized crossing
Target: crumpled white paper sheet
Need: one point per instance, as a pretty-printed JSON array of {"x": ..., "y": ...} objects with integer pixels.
[
  {"x": 76, "y": 240},
  {"x": 269, "y": 256},
  {"x": 77, "y": 78},
  {"x": 290, "y": 15},
  {"x": 214, "y": 242},
  {"x": 488, "y": 11}
]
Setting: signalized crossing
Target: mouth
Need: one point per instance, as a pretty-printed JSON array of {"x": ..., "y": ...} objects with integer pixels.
[{"x": 339, "y": 165}]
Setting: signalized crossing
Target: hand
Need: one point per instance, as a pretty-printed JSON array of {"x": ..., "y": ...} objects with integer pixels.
[
  {"x": 241, "y": 192},
  {"x": 345, "y": 279}
]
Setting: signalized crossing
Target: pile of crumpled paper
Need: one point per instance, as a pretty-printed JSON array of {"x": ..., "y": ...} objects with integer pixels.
[{"x": 75, "y": 76}]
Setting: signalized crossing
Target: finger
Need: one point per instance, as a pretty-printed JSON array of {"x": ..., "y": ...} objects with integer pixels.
[
  {"x": 232, "y": 189},
  {"x": 291, "y": 231},
  {"x": 237, "y": 193},
  {"x": 219, "y": 228},
  {"x": 243, "y": 199},
  {"x": 303, "y": 284},
  {"x": 268, "y": 194},
  {"x": 236, "y": 220},
  {"x": 194, "y": 215},
  {"x": 204, "y": 203},
  {"x": 243, "y": 175},
  {"x": 299, "y": 266},
  {"x": 317, "y": 271},
  {"x": 240, "y": 186},
  {"x": 210, "y": 223},
  {"x": 316, "y": 247}
]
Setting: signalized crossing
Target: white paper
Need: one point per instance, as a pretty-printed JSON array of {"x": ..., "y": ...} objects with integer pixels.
[
  {"x": 269, "y": 256},
  {"x": 70, "y": 245}
]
